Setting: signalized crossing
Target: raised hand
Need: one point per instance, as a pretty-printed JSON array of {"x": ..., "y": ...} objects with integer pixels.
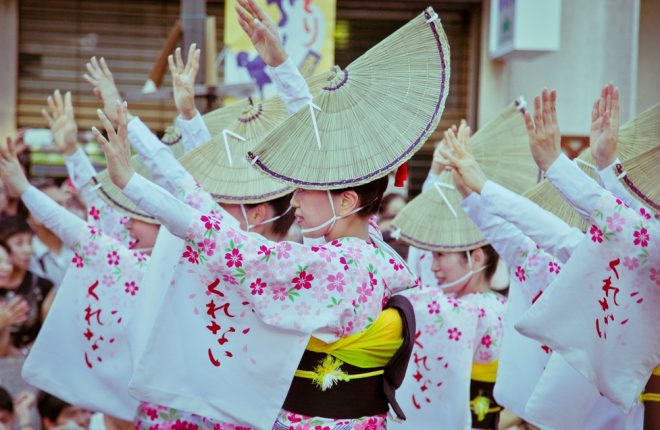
[
  {"x": 116, "y": 147},
  {"x": 459, "y": 155},
  {"x": 262, "y": 32},
  {"x": 23, "y": 406},
  {"x": 604, "y": 134},
  {"x": 104, "y": 86},
  {"x": 183, "y": 80},
  {"x": 62, "y": 122},
  {"x": 11, "y": 171},
  {"x": 13, "y": 312},
  {"x": 543, "y": 130},
  {"x": 440, "y": 163}
]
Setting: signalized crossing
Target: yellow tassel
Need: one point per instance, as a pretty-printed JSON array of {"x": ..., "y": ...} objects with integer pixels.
[
  {"x": 480, "y": 405},
  {"x": 328, "y": 373}
]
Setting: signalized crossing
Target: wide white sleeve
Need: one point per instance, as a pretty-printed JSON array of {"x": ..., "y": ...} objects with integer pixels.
[
  {"x": 612, "y": 183},
  {"x": 193, "y": 132},
  {"x": 68, "y": 227},
  {"x": 549, "y": 231},
  {"x": 578, "y": 189},
  {"x": 505, "y": 238},
  {"x": 291, "y": 86},
  {"x": 81, "y": 171}
]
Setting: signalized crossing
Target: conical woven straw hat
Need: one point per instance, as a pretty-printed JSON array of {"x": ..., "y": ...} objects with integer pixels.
[
  {"x": 637, "y": 137},
  {"x": 373, "y": 116},
  {"x": 502, "y": 149},
  {"x": 428, "y": 222},
  {"x": 113, "y": 196},
  {"x": 240, "y": 116},
  {"x": 641, "y": 178}
]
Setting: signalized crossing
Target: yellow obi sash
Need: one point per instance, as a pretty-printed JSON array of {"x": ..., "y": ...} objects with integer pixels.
[
  {"x": 371, "y": 348},
  {"x": 651, "y": 397},
  {"x": 484, "y": 372}
]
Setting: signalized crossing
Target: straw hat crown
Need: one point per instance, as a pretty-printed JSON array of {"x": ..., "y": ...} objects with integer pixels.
[
  {"x": 638, "y": 151},
  {"x": 371, "y": 117},
  {"x": 435, "y": 221}
]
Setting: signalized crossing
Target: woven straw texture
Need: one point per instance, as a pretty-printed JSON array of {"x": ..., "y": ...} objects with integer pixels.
[
  {"x": 502, "y": 149},
  {"x": 115, "y": 197},
  {"x": 637, "y": 138},
  {"x": 641, "y": 179},
  {"x": 427, "y": 222},
  {"x": 373, "y": 116}
]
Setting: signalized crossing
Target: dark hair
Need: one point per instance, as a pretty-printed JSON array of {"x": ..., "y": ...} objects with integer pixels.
[
  {"x": 12, "y": 225},
  {"x": 370, "y": 194},
  {"x": 280, "y": 205},
  {"x": 4, "y": 245},
  {"x": 492, "y": 258},
  {"x": 50, "y": 406},
  {"x": 6, "y": 402}
]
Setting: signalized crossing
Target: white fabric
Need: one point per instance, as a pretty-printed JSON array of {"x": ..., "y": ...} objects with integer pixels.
[
  {"x": 612, "y": 183},
  {"x": 193, "y": 131},
  {"x": 616, "y": 356},
  {"x": 47, "y": 264},
  {"x": 291, "y": 86},
  {"x": 550, "y": 232}
]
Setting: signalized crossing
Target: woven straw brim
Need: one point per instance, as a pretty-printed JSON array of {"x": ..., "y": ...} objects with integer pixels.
[
  {"x": 113, "y": 196},
  {"x": 501, "y": 148},
  {"x": 641, "y": 178},
  {"x": 373, "y": 116},
  {"x": 236, "y": 182},
  {"x": 637, "y": 137},
  {"x": 426, "y": 222},
  {"x": 246, "y": 111}
]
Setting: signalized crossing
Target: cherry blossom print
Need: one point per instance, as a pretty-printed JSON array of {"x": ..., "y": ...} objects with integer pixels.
[
  {"x": 303, "y": 280},
  {"x": 210, "y": 222},
  {"x": 533, "y": 260},
  {"x": 229, "y": 279},
  {"x": 615, "y": 222},
  {"x": 108, "y": 280},
  {"x": 454, "y": 302},
  {"x": 207, "y": 246},
  {"x": 641, "y": 237},
  {"x": 553, "y": 267},
  {"x": 655, "y": 276},
  {"x": 191, "y": 255},
  {"x": 113, "y": 258},
  {"x": 93, "y": 230},
  {"x": 596, "y": 234},
  {"x": 257, "y": 287},
  {"x": 336, "y": 282},
  {"x": 264, "y": 250},
  {"x": 78, "y": 260},
  {"x": 365, "y": 291},
  {"x": 194, "y": 200},
  {"x": 630, "y": 263},
  {"x": 94, "y": 213},
  {"x": 396, "y": 265},
  {"x": 280, "y": 294},
  {"x": 282, "y": 250},
  {"x": 481, "y": 313},
  {"x": 303, "y": 308},
  {"x": 431, "y": 329},
  {"x": 343, "y": 261},
  {"x": 90, "y": 248},
  {"x": 644, "y": 213},
  {"x": 234, "y": 258},
  {"x": 520, "y": 274},
  {"x": 434, "y": 307},
  {"x": 140, "y": 257},
  {"x": 131, "y": 287},
  {"x": 454, "y": 334},
  {"x": 486, "y": 341}
]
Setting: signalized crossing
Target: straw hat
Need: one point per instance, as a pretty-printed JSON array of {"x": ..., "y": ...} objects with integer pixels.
[
  {"x": 242, "y": 115},
  {"x": 371, "y": 117},
  {"x": 435, "y": 221},
  {"x": 637, "y": 150},
  {"x": 113, "y": 196},
  {"x": 502, "y": 149}
]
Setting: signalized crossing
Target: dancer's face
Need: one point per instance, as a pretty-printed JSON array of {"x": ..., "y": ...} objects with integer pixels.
[
  {"x": 5, "y": 266},
  {"x": 448, "y": 267},
  {"x": 143, "y": 233},
  {"x": 312, "y": 208}
]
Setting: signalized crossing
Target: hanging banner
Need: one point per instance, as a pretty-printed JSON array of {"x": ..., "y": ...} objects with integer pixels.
[{"x": 307, "y": 30}]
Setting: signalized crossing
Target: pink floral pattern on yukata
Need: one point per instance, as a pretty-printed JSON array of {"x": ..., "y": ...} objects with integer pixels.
[
  {"x": 489, "y": 308},
  {"x": 533, "y": 269},
  {"x": 338, "y": 287},
  {"x": 109, "y": 220},
  {"x": 290, "y": 421}
]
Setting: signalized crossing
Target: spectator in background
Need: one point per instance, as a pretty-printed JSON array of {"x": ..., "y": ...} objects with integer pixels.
[
  {"x": 389, "y": 208},
  {"x": 50, "y": 257},
  {"x": 56, "y": 413},
  {"x": 10, "y": 411},
  {"x": 16, "y": 233}
]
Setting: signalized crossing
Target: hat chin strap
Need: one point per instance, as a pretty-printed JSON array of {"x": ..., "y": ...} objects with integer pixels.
[
  {"x": 465, "y": 277},
  {"x": 331, "y": 222},
  {"x": 249, "y": 226}
]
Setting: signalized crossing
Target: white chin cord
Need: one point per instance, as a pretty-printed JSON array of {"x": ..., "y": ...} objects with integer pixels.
[
  {"x": 249, "y": 226},
  {"x": 331, "y": 222},
  {"x": 465, "y": 277}
]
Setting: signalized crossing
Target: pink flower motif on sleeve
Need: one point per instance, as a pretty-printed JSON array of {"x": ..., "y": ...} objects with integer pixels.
[
  {"x": 234, "y": 258},
  {"x": 486, "y": 341},
  {"x": 396, "y": 265},
  {"x": 257, "y": 287},
  {"x": 554, "y": 267},
  {"x": 364, "y": 291},
  {"x": 207, "y": 246},
  {"x": 78, "y": 261},
  {"x": 454, "y": 334},
  {"x": 615, "y": 222},
  {"x": 643, "y": 212},
  {"x": 596, "y": 234},
  {"x": 113, "y": 258},
  {"x": 630, "y": 263},
  {"x": 303, "y": 280},
  {"x": 282, "y": 250},
  {"x": 520, "y": 274},
  {"x": 131, "y": 287},
  {"x": 280, "y": 294},
  {"x": 191, "y": 255},
  {"x": 434, "y": 307},
  {"x": 655, "y": 276},
  {"x": 94, "y": 213},
  {"x": 641, "y": 237},
  {"x": 210, "y": 222},
  {"x": 336, "y": 282}
]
